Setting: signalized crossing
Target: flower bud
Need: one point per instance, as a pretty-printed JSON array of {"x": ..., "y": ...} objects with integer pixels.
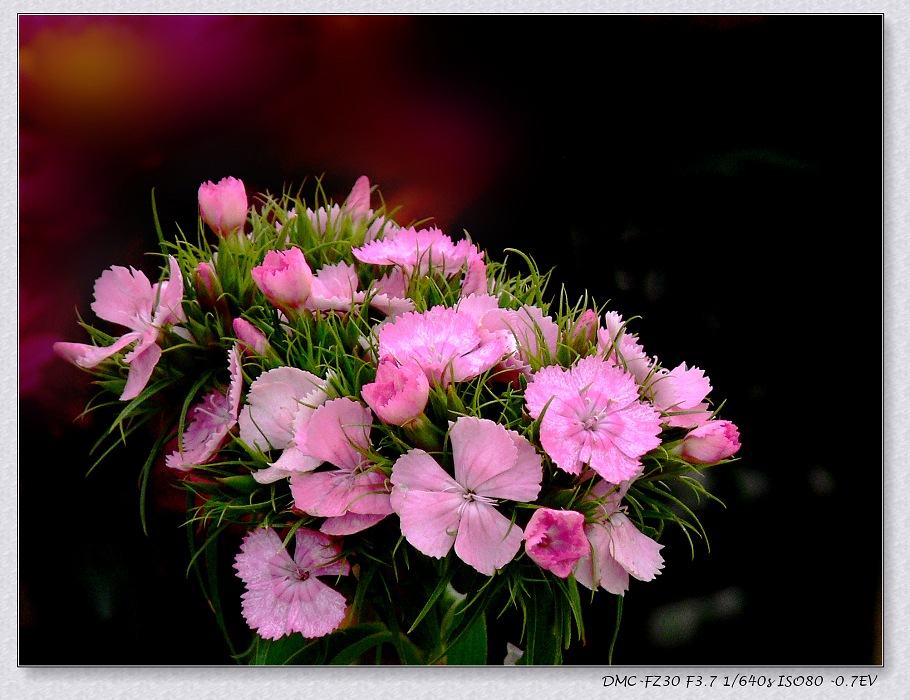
[
  {"x": 223, "y": 206},
  {"x": 709, "y": 443},
  {"x": 252, "y": 338},
  {"x": 208, "y": 286},
  {"x": 555, "y": 540},
  {"x": 285, "y": 278},
  {"x": 399, "y": 394}
]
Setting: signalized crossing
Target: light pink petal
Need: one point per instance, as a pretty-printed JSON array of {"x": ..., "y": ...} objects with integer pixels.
[
  {"x": 338, "y": 432},
  {"x": 125, "y": 297},
  {"x": 210, "y": 423},
  {"x": 486, "y": 540},
  {"x": 335, "y": 492},
  {"x": 495, "y": 462},
  {"x": 170, "y": 297},
  {"x": 259, "y": 550},
  {"x": 429, "y": 519},
  {"x": 142, "y": 361},
  {"x": 418, "y": 471},
  {"x": 636, "y": 552},
  {"x": 599, "y": 568},
  {"x": 349, "y": 523},
  {"x": 88, "y": 356},
  {"x": 273, "y": 400}
]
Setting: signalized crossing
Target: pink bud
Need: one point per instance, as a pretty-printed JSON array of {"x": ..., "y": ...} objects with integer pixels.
[
  {"x": 555, "y": 540},
  {"x": 285, "y": 278},
  {"x": 709, "y": 443},
  {"x": 358, "y": 202},
  {"x": 585, "y": 330},
  {"x": 223, "y": 206},
  {"x": 399, "y": 393},
  {"x": 251, "y": 337}
]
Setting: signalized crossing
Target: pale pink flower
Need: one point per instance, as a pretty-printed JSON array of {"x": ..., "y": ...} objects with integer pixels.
[
  {"x": 475, "y": 278},
  {"x": 285, "y": 278},
  {"x": 252, "y": 338},
  {"x": 283, "y": 593},
  {"x": 680, "y": 392},
  {"x": 592, "y": 415},
  {"x": 421, "y": 252},
  {"x": 555, "y": 540},
  {"x": 389, "y": 293},
  {"x": 536, "y": 336},
  {"x": 334, "y": 288},
  {"x": 623, "y": 348},
  {"x": 438, "y": 511},
  {"x": 279, "y": 404},
  {"x": 399, "y": 394},
  {"x": 223, "y": 206},
  {"x": 352, "y": 495},
  {"x": 211, "y": 421},
  {"x": 709, "y": 443},
  {"x": 127, "y": 298},
  {"x": 448, "y": 345},
  {"x": 356, "y": 206},
  {"x": 618, "y": 548}
]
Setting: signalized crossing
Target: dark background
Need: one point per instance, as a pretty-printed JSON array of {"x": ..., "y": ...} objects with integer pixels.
[{"x": 717, "y": 176}]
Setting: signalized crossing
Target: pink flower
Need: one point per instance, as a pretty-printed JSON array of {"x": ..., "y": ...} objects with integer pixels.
[
  {"x": 448, "y": 345},
  {"x": 709, "y": 443},
  {"x": 623, "y": 348},
  {"x": 681, "y": 392},
  {"x": 251, "y": 337},
  {"x": 592, "y": 415},
  {"x": 211, "y": 421},
  {"x": 285, "y": 278},
  {"x": 422, "y": 252},
  {"x": 334, "y": 288},
  {"x": 126, "y": 297},
  {"x": 283, "y": 594},
  {"x": 399, "y": 394},
  {"x": 279, "y": 405},
  {"x": 555, "y": 540},
  {"x": 617, "y": 548},
  {"x": 352, "y": 496},
  {"x": 223, "y": 206},
  {"x": 357, "y": 204},
  {"x": 536, "y": 336},
  {"x": 438, "y": 511}
]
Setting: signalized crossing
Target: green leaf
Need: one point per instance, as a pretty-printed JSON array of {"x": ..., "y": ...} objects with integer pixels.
[{"x": 471, "y": 647}]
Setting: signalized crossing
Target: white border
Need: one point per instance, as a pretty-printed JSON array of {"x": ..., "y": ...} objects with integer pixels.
[{"x": 503, "y": 684}]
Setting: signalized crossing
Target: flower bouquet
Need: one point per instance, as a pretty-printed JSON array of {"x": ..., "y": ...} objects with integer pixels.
[{"x": 398, "y": 439}]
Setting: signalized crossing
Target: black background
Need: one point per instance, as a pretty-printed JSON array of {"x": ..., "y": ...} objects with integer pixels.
[{"x": 717, "y": 176}]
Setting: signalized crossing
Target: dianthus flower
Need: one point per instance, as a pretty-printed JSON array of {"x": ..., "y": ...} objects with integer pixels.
[
  {"x": 623, "y": 348},
  {"x": 680, "y": 393},
  {"x": 448, "y": 345},
  {"x": 420, "y": 252},
  {"x": 555, "y": 540},
  {"x": 210, "y": 421},
  {"x": 618, "y": 548},
  {"x": 438, "y": 511},
  {"x": 592, "y": 415},
  {"x": 127, "y": 298},
  {"x": 351, "y": 495},
  {"x": 283, "y": 594},
  {"x": 279, "y": 405}
]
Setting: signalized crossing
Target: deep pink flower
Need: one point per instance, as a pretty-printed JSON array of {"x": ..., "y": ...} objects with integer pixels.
[
  {"x": 252, "y": 338},
  {"x": 127, "y": 298},
  {"x": 420, "y": 251},
  {"x": 448, "y": 345},
  {"x": 223, "y": 206},
  {"x": 592, "y": 415},
  {"x": 399, "y": 394},
  {"x": 709, "y": 443},
  {"x": 351, "y": 495},
  {"x": 283, "y": 594},
  {"x": 555, "y": 540},
  {"x": 681, "y": 392},
  {"x": 279, "y": 405},
  {"x": 618, "y": 548},
  {"x": 438, "y": 511},
  {"x": 211, "y": 421},
  {"x": 285, "y": 278}
]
